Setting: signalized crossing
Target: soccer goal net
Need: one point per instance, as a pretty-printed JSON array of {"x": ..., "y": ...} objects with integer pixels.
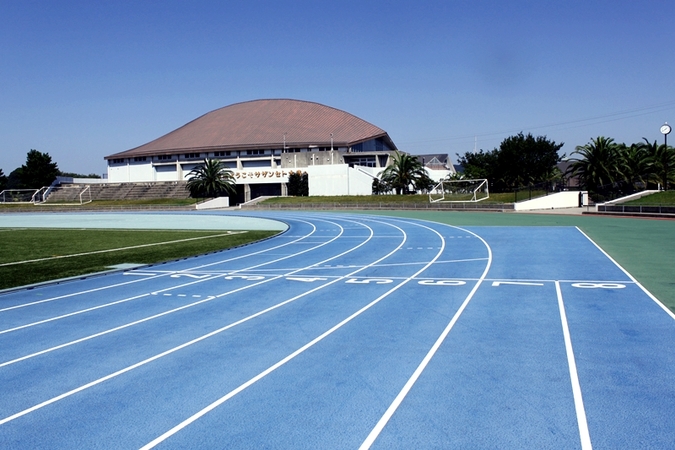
[
  {"x": 18, "y": 195},
  {"x": 448, "y": 191},
  {"x": 63, "y": 195}
]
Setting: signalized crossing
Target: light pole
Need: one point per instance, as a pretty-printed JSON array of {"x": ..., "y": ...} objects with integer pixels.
[{"x": 665, "y": 130}]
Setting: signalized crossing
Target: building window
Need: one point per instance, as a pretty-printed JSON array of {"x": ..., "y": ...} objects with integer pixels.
[
  {"x": 192, "y": 155},
  {"x": 365, "y": 162},
  {"x": 255, "y": 152},
  {"x": 164, "y": 157},
  {"x": 139, "y": 158},
  {"x": 221, "y": 154},
  {"x": 117, "y": 161}
]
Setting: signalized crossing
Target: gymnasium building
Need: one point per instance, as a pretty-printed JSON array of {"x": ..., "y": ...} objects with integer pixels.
[{"x": 262, "y": 141}]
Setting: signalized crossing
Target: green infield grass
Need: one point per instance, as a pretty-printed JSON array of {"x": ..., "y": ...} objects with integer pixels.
[
  {"x": 35, "y": 255},
  {"x": 103, "y": 204}
]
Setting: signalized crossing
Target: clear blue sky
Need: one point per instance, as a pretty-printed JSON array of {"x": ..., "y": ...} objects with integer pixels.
[{"x": 82, "y": 79}]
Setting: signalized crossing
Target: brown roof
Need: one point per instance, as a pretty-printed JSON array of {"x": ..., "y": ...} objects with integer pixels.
[{"x": 262, "y": 124}]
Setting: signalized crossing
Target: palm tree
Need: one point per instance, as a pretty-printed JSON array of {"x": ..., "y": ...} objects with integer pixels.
[
  {"x": 211, "y": 179},
  {"x": 425, "y": 183},
  {"x": 661, "y": 162},
  {"x": 634, "y": 166},
  {"x": 379, "y": 187},
  {"x": 405, "y": 172},
  {"x": 598, "y": 165}
]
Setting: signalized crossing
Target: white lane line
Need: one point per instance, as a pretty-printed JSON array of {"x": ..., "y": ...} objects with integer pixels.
[
  {"x": 187, "y": 344},
  {"x": 94, "y": 308},
  {"x": 420, "y": 263},
  {"x": 16, "y": 263},
  {"x": 515, "y": 283},
  {"x": 644, "y": 289},
  {"x": 102, "y": 333},
  {"x": 164, "y": 273},
  {"x": 574, "y": 377},
  {"x": 106, "y": 305},
  {"x": 86, "y": 338},
  {"x": 288, "y": 358},
  {"x": 375, "y": 432},
  {"x": 73, "y": 294},
  {"x": 130, "y": 324},
  {"x": 299, "y": 239}
]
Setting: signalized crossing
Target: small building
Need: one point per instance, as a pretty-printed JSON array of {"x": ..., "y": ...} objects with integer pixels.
[{"x": 437, "y": 165}]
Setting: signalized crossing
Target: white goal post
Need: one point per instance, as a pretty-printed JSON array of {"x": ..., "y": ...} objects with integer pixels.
[
  {"x": 63, "y": 195},
  {"x": 18, "y": 195},
  {"x": 454, "y": 191}
]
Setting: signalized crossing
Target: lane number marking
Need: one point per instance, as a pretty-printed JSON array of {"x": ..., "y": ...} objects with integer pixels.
[
  {"x": 370, "y": 280},
  {"x": 306, "y": 279},
  {"x": 189, "y": 275},
  {"x": 441, "y": 283},
  {"x": 515, "y": 283},
  {"x": 598, "y": 285},
  {"x": 245, "y": 277}
]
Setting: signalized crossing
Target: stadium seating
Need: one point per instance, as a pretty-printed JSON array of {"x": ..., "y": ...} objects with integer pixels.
[{"x": 121, "y": 191}]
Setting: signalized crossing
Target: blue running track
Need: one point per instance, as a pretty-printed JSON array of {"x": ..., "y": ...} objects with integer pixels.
[{"x": 346, "y": 331}]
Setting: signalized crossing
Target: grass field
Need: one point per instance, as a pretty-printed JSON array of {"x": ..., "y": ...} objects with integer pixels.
[
  {"x": 100, "y": 249},
  {"x": 352, "y": 200},
  {"x": 156, "y": 202},
  {"x": 660, "y": 198}
]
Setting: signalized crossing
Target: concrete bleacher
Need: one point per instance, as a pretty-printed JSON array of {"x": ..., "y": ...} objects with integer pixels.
[
  {"x": 71, "y": 194},
  {"x": 122, "y": 191}
]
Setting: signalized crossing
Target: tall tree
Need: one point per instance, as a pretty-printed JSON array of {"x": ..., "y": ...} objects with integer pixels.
[
  {"x": 661, "y": 162},
  {"x": 14, "y": 179},
  {"x": 404, "y": 173},
  {"x": 520, "y": 160},
  {"x": 298, "y": 184},
  {"x": 633, "y": 167},
  {"x": 3, "y": 180},
  {"x": 78, "y": 175},
  {"x": 526, "y": 160},
  {"x": 597, "y": 166},
  {"x": 481, "y": 164},
  {"x": 424, "y": 183},
  {"x": 39, "y": 170},
  {"x": 211, "y": 179}
]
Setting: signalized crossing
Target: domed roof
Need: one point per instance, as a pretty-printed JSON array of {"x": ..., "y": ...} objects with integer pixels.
[{"x": 264, "y": 124}]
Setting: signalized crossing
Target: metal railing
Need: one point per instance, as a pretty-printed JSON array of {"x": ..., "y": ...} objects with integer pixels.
[
  {"x": 637, "y": 209},
  {"x": 467, "y": 206}
]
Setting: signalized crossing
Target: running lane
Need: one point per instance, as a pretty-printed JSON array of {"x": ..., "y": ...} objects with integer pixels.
[
  {"x": 376, "y": 325},
  {"x": 71, "y": 382},
  {"x": 346, "y": 331}
]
